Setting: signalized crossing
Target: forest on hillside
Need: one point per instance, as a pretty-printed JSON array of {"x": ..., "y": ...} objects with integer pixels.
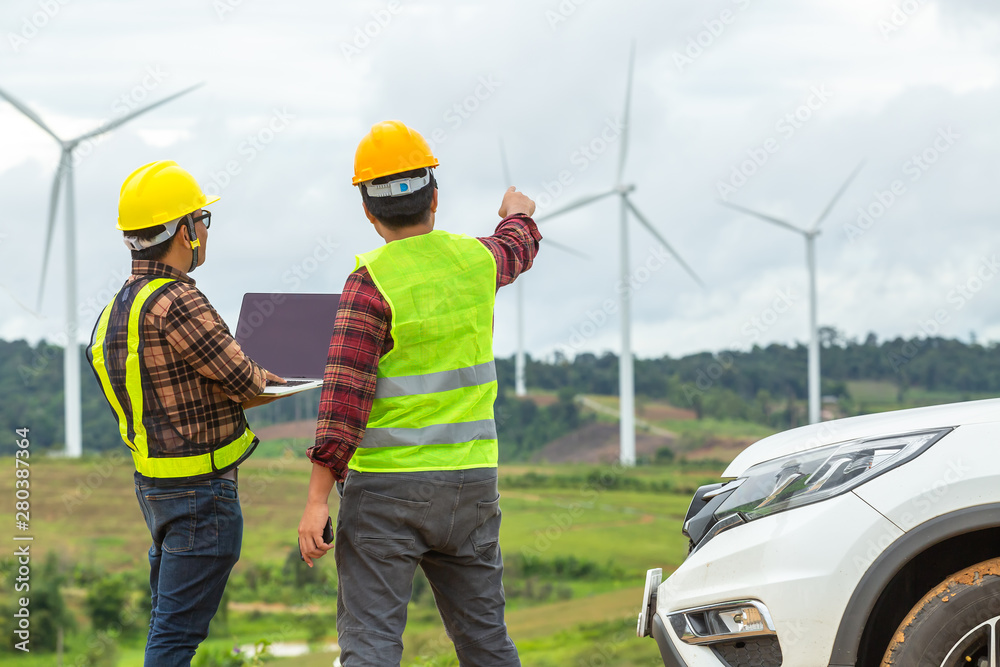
[{"x": 763, "y": 384}]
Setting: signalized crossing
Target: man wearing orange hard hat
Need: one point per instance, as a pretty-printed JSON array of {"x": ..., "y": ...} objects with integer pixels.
[
  {"x": 406, "y": 428},
  {"x": 177, "y": 383}
]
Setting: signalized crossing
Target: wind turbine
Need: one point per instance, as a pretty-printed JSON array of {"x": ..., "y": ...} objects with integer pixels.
[
  {"x": 810, "y": 235},
  {"x": 626, "y": 375},
  {"x": 519, "y": 382},
  {"x": 64, "y": 175}
]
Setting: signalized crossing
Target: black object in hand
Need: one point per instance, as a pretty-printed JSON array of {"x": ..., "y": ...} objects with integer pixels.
[{"x": 327, "y": 535}]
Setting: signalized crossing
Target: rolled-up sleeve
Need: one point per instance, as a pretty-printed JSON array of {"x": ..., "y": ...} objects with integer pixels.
[
  {"x": 359, "y": 339},
  {"x": 514, "y": 245},
  {"x": 200, "y": 336}
]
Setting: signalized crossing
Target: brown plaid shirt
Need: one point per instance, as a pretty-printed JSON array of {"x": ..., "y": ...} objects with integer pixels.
[{"x": 197, "y": 370}]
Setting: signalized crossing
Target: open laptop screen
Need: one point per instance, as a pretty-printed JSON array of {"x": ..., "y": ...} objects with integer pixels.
[{"x": 288, "y": 334}]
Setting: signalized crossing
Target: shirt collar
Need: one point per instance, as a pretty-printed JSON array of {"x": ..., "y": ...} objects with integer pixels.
[{"x": 145, "y": 267}]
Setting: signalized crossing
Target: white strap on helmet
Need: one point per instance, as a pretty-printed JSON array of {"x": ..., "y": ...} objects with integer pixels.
[
  {"x": 399, "y": 187},
  {"x": 136, "y": 243}
]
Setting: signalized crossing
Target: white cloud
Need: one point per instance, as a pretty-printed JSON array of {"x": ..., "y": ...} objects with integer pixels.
[{"x": 555, "y": 87}]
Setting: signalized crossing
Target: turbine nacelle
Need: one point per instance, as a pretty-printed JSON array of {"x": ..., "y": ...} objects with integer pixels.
[{"x": 810, "y": 235}]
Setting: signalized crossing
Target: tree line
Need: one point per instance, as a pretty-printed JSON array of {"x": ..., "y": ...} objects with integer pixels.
[{"x": 761, "y": 384}]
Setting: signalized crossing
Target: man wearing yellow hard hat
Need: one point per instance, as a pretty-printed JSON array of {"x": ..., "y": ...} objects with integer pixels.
[
  {"x": 406, "y": 426},
  {"x": 177, "y": 383}
]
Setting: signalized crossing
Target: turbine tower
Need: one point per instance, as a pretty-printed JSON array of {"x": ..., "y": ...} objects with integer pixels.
[
  {"x": 626, "y": 375},
  {"x": 810, "y": 235},
  {"x": 520, "y": 388},
  {"x": 64, "y": 177}
]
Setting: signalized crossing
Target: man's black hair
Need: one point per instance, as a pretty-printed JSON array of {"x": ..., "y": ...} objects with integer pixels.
[
  {"x": 403, "y": 211},
  {"x": 153, "y": 253}
]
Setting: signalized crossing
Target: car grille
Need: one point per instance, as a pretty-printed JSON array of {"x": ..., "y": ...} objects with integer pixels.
[{"x": 761, "y": 652}]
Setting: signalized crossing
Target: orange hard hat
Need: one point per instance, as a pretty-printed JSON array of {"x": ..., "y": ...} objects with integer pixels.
[{"x": 390, "y": 148}]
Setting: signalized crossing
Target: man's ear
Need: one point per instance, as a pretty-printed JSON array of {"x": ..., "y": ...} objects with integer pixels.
[
  {"x": 434, "y": 201},
  {"x": 368, "y": 214},
  {"x": 182, "y": 236}
]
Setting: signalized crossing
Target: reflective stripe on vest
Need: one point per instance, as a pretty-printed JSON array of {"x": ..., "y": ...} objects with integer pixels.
[
  {"x": 434, "y": 392},
  {"x": 160, "y": 467},
  {"x": 430, "y": 383}
]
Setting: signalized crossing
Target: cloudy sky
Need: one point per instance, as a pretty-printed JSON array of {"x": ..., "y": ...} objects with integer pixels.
[{"x": 767, "y": 104}]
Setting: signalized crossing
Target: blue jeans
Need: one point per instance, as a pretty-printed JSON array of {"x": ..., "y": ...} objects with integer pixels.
[
  {"x": 448, "y": 524},
  {"x": 197, "y": 531}
]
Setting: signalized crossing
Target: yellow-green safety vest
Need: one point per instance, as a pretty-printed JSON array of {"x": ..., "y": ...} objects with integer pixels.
[
  {"x": 435, "y": 389},
  {"x": 142, "y": 427}
]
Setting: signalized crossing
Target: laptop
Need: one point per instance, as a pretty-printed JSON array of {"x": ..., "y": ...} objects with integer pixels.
[{"x": 289, "y": 335}]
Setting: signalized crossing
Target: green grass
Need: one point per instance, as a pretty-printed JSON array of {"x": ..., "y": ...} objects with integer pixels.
[
  {"x": 86, "y": 511},
  {"x": 883, "y": 396}
]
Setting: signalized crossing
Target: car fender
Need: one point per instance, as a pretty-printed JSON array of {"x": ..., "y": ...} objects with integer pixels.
[{"x": 892, "y": 560}]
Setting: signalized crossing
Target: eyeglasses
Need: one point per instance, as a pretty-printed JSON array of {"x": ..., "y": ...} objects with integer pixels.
[{"x": 206, "y": 217}]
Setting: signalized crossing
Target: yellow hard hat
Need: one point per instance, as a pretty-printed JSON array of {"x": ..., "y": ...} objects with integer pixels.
[
  {"x": 390, "y": 148},
  {"x": 157, "y": 193}
]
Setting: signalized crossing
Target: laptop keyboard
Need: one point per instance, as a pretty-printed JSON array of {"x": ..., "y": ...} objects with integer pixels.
[{"x": 290, "y": 383}]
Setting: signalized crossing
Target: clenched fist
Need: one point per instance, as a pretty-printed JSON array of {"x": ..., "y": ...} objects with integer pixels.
[{"x": 515, "y": 202}]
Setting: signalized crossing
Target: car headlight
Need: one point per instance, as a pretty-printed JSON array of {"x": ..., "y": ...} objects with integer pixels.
[{"x": 817, "y": 474}]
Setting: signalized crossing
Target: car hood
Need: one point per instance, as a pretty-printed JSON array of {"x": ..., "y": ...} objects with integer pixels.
[{"x": 866, "y": 426}]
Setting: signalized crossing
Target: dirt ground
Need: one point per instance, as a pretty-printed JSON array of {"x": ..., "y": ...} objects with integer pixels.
[{"x": 597, "y": 443}]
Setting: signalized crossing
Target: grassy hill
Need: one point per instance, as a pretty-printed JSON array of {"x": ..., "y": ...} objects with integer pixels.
[{"x": 577, "y": 540}]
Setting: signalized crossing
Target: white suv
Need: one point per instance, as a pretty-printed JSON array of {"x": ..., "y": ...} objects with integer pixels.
[{"x": 867, "y": 541}]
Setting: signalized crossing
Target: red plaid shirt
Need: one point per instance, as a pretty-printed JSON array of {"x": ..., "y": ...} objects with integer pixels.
[{"x": 361, "y": 335}]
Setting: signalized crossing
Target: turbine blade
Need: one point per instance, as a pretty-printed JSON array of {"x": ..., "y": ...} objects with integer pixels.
[
  {"x": 29, "y": 113},
  {"x": 836, "y": 197},
  {"x": 50, "y": 227},
  {"x": 14, "y": 298},
  {"x": 506, "y": 168},
  {"x": 566, "y": 248},
  {"x": 652, "y": 230},
  {"x": 583, "y": 201},
  {"x": 762, "y": 216},
  {"x": 118, "y": 122},
  {"x": 623, "y": 140}
]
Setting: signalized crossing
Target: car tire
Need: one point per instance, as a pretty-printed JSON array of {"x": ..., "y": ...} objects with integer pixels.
[{"x": 956, "y": 623}]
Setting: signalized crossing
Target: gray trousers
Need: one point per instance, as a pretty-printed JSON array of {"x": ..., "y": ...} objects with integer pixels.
[{"x": 448, "y": 524}]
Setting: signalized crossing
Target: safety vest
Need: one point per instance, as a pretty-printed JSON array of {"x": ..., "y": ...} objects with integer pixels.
[
  {"x": 435, "y": 389},
  {"x": 115, "y": 354}
]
